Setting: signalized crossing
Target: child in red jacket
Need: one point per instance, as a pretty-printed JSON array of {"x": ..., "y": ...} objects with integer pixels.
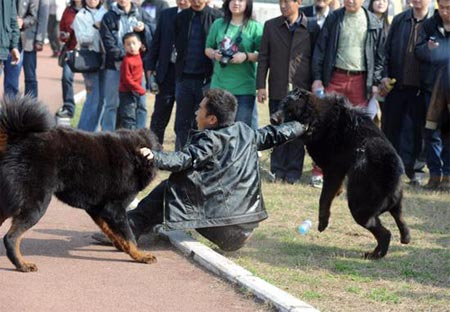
[{"x": 130, "y": 87}]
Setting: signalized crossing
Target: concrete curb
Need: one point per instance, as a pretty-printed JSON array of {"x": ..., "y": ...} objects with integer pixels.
[{"x": 234, "y": 273}]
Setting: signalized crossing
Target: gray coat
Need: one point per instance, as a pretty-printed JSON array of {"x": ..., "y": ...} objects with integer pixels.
[
  {"x": 9, "y": 30},
  {"x": 28, "y": 11},
  {"x": 36, "y": 33}
]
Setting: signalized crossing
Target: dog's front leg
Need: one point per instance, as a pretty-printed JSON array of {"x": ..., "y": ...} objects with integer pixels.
[
  {"x": 332, "y": 184},
  {"x": 123, "y": 239}
]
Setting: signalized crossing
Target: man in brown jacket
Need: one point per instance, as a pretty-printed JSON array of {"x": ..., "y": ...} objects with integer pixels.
[{"x": 286, "y": 49}]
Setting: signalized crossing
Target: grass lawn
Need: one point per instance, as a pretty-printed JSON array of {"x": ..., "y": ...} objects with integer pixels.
[{"x": 326, "y": 269}]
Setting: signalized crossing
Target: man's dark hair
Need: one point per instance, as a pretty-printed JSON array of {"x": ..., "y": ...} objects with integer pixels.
[
  {"x": 223, "y": 105},
  {"x": 129, "y": 35}
]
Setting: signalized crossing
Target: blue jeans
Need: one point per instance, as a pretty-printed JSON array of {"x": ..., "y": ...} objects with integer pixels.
[
  {"x": 29, "y": 70},
  {"x": 246, "y": 109},
  {"x": 286, "y": 160},
  {"x": 67, "y": 89},
  {"x": 189, "y": 94},
  {"x": 127, "y": 113},
  {"x": 11, "y": 78},
  {"x": 112, "y": 79},
  {"x": 95, "y": 99}
]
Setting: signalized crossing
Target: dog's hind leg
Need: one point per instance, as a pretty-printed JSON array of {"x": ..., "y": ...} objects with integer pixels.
[
  {"x": 20, "y": 224},
  {"x": 332, "y": 184},
  {"x": 123, "y": 241},
  {"x": 381, "y": 234},
  {"x": 396, "y": 212}
]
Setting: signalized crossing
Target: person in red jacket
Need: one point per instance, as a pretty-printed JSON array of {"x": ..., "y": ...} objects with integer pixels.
[
  {"x": 130, "y": 87},
  {"x": 67, "y": 36}
]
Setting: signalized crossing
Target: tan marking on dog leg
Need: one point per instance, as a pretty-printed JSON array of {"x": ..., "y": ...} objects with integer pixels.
[
  {"x": 3, "y": 142},
  {"x": 124, "y": 245},
  {"x": 22, "y": 265}
]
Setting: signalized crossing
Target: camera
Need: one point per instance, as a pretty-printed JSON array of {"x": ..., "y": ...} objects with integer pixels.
[
  {"x": 227, "y": 49},
  {"x": 227, "y": 55}
]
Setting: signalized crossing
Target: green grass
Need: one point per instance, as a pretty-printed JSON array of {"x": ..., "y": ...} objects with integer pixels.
[{"x": 326, "y": 269}]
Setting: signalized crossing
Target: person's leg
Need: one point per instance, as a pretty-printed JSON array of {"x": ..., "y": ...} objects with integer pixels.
[
  {"x": 29, "y": 70},
  {"x": 246, "y": 108},
  {"x": 164, "y": 102},
  {"x": 11, "y": 78},
  {"x": 149, "y": 211},
  {"x": 277, "y": 157},
  {"x": 126, "y": 115},
  {"x": 185, "y": 98},
  {"x": 112, "y": 78},
  {"x": 90, "y": 115},
  {"x": 294, "y": 160},
  {"x": 67, "y": 91},
  {"x": 255, "y": 119},
  {"x": 141, "y": 109},
  {"x": 230, "y": 237}
]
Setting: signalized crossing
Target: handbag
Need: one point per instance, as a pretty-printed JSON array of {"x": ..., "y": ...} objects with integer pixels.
[{"x": 84, "y": 60}]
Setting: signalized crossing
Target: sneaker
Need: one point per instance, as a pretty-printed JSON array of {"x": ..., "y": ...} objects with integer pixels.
[
  {"x": 101, "y": 238},
  {"x": 317, "y": 181},
  {"x": 63, "y": 113}
]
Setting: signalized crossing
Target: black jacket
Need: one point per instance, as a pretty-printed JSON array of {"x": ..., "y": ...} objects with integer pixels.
[
  {"x": 324, "y": 57},
  {"x": 162, "y": 44},
  {"x": 183, "y": 22},
  {"x": 215, "y": 179},
  {"x": 109, "y": 32},
  {"x": 432, "y": 60},
  {"x": 396, "y": 45}
]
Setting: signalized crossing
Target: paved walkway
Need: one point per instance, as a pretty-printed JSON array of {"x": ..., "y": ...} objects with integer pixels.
[{"x": 77, "y": 275}]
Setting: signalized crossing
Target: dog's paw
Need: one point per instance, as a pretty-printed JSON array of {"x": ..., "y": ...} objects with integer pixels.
[
  {"x": 374, "y": 255},
  {"x": 323, "y": 224},
  {"x": 28, "y": 267},
  {"x": 405, "y": 239},
  {"x": 148, "y": 258}
]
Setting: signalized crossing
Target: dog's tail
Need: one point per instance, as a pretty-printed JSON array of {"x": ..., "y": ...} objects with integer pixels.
[{"x": 20, "y": 116}]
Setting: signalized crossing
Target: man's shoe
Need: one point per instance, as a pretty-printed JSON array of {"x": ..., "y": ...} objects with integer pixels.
[
  {"x": 445, "y": 184},
  {"x": 433, "y": 183},
  {"x": 101, "y": 238},
  {"x": 63, "y": 113},
  {"x": 317, "y": 181}
]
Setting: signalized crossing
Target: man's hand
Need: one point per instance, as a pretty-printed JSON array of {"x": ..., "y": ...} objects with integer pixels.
[
  {"x": 147, "y": 153},
  {"x": 15, "y": 56},
  {"x": 139, "y": 27},
  {"x": 38, "y": 46},
  {"x": 262, "y": 95},
  {"x": 20, "y": 22},
  {"x": 317, "y": 85}
]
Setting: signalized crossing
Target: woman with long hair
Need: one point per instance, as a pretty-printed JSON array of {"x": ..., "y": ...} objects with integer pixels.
[
  {"x": 86, "y": 27},
  {"x": 381, "y": 9},
  {"x": 233, "y": 44}
]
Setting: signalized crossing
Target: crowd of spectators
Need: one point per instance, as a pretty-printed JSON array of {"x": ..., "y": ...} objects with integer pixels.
[{"x": 351, "y": 48}]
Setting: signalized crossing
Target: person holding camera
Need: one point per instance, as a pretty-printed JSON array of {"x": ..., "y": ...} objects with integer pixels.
[{"x": 233, "y": 43}]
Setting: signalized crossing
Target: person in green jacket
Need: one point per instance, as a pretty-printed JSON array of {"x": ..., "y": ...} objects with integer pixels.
[{"x": 9, "y": 32}]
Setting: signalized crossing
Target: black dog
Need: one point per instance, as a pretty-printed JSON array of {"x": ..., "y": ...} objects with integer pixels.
[
  {"x": 344, "y": 142},
  {"x": 98, "y": 172}
]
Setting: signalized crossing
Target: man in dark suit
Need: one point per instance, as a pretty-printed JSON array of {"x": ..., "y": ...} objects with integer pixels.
[
  {"x": 162, "y": 64},
  {"x": 193, "y": 69},
  {"x": 319, "y": 10}
]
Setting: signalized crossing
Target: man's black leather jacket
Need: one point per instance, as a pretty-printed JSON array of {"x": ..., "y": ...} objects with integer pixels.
[{"x": 215, "y": 179}]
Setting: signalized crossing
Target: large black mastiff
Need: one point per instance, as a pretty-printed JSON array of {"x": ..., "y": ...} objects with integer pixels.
[
  {"x": 98, "y": 172},
  {"x": 345, "y": 143}
]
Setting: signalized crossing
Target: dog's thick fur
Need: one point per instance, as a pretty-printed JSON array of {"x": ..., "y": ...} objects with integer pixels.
[
  {"x": 345, "y": 143},
  {"x": 98, "y": 172}
]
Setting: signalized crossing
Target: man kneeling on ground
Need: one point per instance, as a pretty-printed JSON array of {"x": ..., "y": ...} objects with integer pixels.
[{"x": 215, "y": 185}]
